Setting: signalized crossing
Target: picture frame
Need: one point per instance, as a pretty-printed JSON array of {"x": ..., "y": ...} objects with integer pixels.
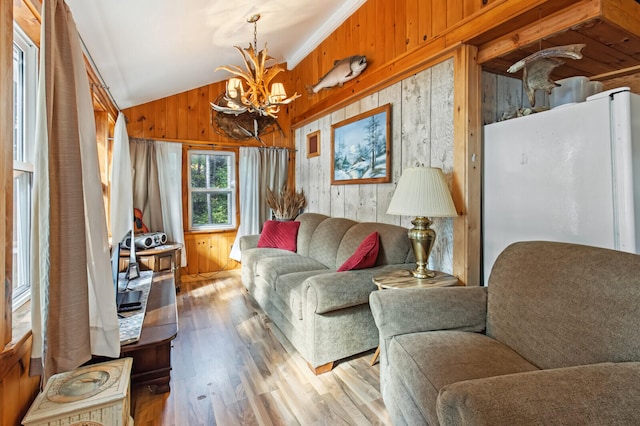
[
  {"x": 313, "y": 144},
  {"x": 361, "y": 148}
]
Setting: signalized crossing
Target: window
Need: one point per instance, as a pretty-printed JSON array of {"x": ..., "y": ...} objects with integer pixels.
[
  {"x": 25, "y": 62},
  {"x": 212, "y": 191}
]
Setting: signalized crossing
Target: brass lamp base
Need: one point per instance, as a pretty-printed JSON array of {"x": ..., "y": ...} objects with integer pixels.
[{"x": 422, "y": 238}]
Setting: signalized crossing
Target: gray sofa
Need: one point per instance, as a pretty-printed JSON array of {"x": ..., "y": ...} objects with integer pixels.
[
  {"x": 323, "y": 313},
  {"x": 553, "y": 339}
]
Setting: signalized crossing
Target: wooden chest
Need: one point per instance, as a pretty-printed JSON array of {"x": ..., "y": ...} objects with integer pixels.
[{"x": 94, "y": 395}]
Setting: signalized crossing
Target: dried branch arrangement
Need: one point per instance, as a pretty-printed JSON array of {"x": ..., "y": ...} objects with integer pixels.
[{"x": 286, "y": 204}]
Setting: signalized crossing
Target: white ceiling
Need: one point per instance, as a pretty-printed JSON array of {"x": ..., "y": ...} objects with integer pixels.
[{"x": 148, "y": 49}]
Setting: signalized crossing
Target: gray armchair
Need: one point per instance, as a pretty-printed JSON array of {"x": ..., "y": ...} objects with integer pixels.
[{"x": 553, "y": 339}]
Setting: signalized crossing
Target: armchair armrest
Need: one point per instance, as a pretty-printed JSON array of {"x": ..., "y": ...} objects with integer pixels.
[
  {"x": 595, "y": 394},
  {"x": 442, "y": 308}
]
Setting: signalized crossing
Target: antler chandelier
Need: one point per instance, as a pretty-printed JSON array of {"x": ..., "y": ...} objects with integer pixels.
[{"x": 250, "y": 91}]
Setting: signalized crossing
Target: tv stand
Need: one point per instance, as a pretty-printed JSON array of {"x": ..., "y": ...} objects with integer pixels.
[{"x": 152, "y": 352}]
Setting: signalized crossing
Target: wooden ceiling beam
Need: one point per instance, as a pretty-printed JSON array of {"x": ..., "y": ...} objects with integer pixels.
[{"x": 557, "y": 22}]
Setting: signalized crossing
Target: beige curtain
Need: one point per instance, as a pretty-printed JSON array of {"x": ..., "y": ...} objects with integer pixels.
[
  {"x": 146, "y": 188},
  {"x": 70, "y": 253}
]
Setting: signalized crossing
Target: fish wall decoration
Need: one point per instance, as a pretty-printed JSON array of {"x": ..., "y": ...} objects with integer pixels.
[
  {"x": 343, "y": 70},
  {"x": 538, "y": 66}
]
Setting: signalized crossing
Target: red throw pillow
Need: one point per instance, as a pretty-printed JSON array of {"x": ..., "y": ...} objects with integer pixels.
[
  {"x": 365, "y": 255},
  {"x": 282, "y": 235}
]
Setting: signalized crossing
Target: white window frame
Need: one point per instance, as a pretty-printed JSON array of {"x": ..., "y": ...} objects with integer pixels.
[
  {"x": 25, "y": 164},
  {"x": 229, "y": 190}
]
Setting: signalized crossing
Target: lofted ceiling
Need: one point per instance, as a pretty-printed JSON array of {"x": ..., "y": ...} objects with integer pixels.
[{"x": 149, "y": 49}]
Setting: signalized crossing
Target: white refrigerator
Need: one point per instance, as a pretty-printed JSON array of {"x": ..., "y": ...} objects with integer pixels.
[{"x": 568, "y": 174}]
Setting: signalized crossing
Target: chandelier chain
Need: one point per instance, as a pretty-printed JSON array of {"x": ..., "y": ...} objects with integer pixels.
[{"x": 255, "y": 35}]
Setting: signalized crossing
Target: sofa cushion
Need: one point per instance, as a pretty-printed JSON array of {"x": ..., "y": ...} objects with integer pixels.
[
  {"x": 582, "y": 395},
  {"x": 327, "y": 238},
  {"x": 427, "y": 361},
  {"x": 279, "y": 234},
  {"x": 365, "y": 255},
  {"x": 395, "y": 246},
  {"x": 308, "y": 224},
  {"x": 269, "y": 269}
]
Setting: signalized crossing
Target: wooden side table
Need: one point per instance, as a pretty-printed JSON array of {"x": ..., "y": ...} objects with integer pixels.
[
  {"x": 160, "y": 258},
  {"x": 402, "y": 279}
]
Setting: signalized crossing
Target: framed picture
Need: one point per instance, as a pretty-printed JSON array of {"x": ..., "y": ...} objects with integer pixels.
[
  {"x": 360, "y": 148},
  {"x": 313, "y": 144}
]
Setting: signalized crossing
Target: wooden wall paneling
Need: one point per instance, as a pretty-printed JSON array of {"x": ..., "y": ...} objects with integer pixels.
[
  {"x": 183, "y": 113},
  {"x": 171, "y": 125},
  {"x": 351, "y": 192},
  {"x": 368, "y": 47},
  {"x": 455, "y": 12},
  {"x": 359, "y": 37},
  {"x": 230, "y": 239},
  {"x": 510, "y": 95},
  {"x": 412, "y": 33},
  {"x": 134, "y": 124},
  {"x": 192, "y": 255},
  {"x": 367, "y": 194},
  {"x": 399, "y": 29},
  {"x": 324, "y": 166},
  {"x": 160, "y": 117},
  {"x": 384, "y": 41},
  {"x": 425, "y": 20},
  {"x": 192, "y": 114},
  {"x": 17, "y": 388},
  {"x": 416, "y": 122},
  {"x": 489, "y": 102},
  {"x": 391, "y": 95},
  {"x": 439, "y": 16},
  {"x": 441, "y": 155},
  {"x": 467, "y": 153},
  {"x": 203, "y": 113},
  {"x": 632, "y": 81},
  {"x": 338, "y": 206}
]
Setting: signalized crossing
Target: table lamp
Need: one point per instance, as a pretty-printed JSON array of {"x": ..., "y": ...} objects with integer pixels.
[{"x": 422, "y": 192}]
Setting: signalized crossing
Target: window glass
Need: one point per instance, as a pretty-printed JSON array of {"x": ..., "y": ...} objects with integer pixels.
[
  {"x": 24, "y": 95},
  {"x": 211, "y": 190}
]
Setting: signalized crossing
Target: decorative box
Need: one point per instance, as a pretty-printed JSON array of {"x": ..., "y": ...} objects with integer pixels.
[{"x": 93, "y": 395}]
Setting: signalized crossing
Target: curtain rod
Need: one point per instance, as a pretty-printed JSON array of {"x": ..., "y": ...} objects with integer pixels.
[{"x": 103, "y": 85}]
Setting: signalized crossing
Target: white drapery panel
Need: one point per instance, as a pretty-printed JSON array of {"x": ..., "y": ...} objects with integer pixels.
[
  {"x": 121, "y": 206},
  {"x": 169, "y": 161},
  {"x": 249, "y": 172},
  {"x": 259, "y": 168},
  {"x": 73, "y": 300}
]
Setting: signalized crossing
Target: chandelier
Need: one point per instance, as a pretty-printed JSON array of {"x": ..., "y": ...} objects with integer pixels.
[{"x": 249, "y": 92}]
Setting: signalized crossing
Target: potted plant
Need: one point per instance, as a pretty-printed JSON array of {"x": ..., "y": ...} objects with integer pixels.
[{"x": 286, "y": 205}]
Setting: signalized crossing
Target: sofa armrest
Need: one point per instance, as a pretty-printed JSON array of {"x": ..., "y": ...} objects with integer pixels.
[
  {"x": 339, "y": 290},
  {"x": 441, "y": 308},
  {"x": 249, "y": 241},
  {"x": 595, "y": 394}
]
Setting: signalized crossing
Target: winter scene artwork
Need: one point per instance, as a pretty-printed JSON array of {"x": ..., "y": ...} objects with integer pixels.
[{"x": 360, "y": 148}]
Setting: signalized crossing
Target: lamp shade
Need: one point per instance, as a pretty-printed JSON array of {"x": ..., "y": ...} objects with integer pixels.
[{"x": 422, "y": 192}]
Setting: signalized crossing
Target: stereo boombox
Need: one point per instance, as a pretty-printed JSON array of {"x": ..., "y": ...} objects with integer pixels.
[{"x": 145, "y": 241}]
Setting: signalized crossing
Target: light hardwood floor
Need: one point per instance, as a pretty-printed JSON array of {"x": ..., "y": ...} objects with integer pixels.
[{"x": 231, "y": 366}]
